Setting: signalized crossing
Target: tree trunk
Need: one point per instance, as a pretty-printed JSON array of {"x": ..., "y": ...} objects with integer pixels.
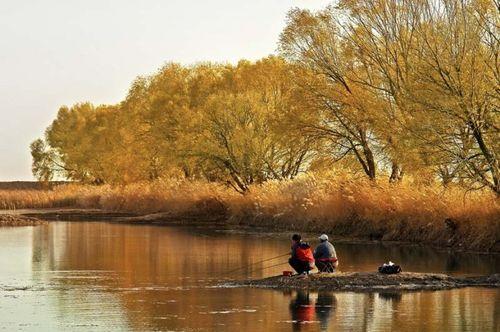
[
  {"x": 371, "y": 168},
  {"x": 490, "y": 159},
  {"x": 396, "y": 173}
]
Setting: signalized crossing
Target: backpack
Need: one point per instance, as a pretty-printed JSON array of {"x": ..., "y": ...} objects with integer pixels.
[
  {"x": 304, "y": 253},
  {"x": 389, "y": 269}
]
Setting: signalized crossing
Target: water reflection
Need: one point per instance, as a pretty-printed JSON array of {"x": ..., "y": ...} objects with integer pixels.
[
  {"x": 100, "y": 276},
  {"x": 455, "y": 310},
  {"x": 301, "y": 309},
  {"x": 311, "y": 308},
  {"x": 212, "y": 253},
  {"x": 391, "y": 296},
  {"x": 368, "y": 257},
  {"x": 324, "y": 308}
]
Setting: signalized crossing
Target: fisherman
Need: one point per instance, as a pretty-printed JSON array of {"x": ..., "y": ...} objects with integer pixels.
[
  {"x": 325, "y": 256},
  {"x": 302, "y": 259}
]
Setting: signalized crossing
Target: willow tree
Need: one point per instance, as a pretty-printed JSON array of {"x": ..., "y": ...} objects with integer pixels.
[
  {"x": 457, "y": 82},
  {"x": 241, "y": 135},
  {"x": 421, "y": 77},
  {"x": 343, "y": 112},
  {"x": 272, "y": 80},
  {"x": 81, "y": 138},
  {"x": 439, "y": 62},
  {"x": 44, "y": 161},
  {"x": 152, "y": 115}
]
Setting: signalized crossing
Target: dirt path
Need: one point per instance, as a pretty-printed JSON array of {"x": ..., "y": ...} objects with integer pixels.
[{"x": 371, "y": 281}]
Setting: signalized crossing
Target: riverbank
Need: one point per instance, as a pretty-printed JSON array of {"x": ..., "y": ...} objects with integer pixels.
[
  {"x": 13, "y": 220},
  {"x": 194, "y": 219},
  {"x": 367, "y": 281},
  {"x": 352, "y": 208}
]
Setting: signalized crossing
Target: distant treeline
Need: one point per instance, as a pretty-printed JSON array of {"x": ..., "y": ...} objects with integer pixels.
[
  {"x": 386, "y": 89},
  {"x": 30, "y": 185}
]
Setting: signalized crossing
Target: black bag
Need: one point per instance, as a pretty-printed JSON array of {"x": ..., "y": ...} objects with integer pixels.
[{"x": 389, "y": 269}]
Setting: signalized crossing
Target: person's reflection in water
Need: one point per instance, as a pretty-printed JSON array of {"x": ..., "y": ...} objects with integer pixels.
[
  {"x": 301, "y": 310},
  {"x": 325, "y": 306},
  {"x": 390, "y": 296}
]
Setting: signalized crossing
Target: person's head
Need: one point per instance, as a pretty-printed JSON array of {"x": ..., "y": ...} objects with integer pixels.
[
  {"x": 296, "y": 238},
  {"x": 323, "y": 238}
]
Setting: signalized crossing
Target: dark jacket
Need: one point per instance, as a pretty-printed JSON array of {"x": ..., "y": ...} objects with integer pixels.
[
  {"x": 294, "y": 248},
  {"x": 325, "y": 250}
]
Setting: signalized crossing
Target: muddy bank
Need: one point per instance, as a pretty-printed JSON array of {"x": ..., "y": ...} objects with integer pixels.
[
  {"x": 162, "y": 218},
  {"x": 11, "y": 220},
  {"x": 75, "y": 214},
  {"x": 368, "y": 281}
]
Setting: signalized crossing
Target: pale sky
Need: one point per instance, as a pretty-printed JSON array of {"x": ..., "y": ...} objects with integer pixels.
[{"x": 55, "y": 53}]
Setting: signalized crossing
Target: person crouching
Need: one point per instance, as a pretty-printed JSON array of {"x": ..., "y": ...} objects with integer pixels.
[
  {"x": 325, "y": 256},
  {"x": 302, "y": 259}
]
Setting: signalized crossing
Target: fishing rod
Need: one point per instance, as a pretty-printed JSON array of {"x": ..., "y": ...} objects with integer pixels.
[
  {"x": 262, "y": 261},
  {"x": 268, "y": 267}
]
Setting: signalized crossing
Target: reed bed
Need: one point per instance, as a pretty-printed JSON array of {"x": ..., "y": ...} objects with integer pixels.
[
  {"x": 61, "y": 196},
  {"x": 382, "y": 211},
  {"x": 334, "y": 204}
]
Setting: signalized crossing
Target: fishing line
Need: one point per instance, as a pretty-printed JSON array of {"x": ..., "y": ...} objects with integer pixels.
[
  {"x": 262, "y": 261},
  {"x": 268, "y": 267}
]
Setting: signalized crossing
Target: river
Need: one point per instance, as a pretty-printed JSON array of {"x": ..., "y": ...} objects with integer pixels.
[{"x": 100, "y": 276}]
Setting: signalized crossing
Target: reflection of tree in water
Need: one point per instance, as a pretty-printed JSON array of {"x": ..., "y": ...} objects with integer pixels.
[
  {"x": 136, "y": 258},
  {"x": 143, "y": 272},
  {"x": 325, "y": 306},
  {"x": 414, "y": 258}
]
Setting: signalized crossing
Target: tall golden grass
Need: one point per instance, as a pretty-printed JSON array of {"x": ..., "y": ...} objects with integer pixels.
[
  {"x": 334, "y": 204},
  {"x": 62, "y": 196},
  {"x": 360, "y": 208}
]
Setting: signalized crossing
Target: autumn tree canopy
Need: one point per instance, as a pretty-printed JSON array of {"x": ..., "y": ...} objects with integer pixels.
[{"x": 381, "y": 88}]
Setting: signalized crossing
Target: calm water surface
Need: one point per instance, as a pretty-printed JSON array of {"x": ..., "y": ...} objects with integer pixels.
[{"x": 110, "y": 277}]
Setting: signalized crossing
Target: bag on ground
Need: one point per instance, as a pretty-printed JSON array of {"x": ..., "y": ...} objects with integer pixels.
[{"x": 390, "y": 268}]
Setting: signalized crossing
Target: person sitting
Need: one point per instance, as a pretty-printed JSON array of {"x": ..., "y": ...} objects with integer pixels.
[
  {"x": 302, "y": 259},
  {"x": 325, "y": 256}
]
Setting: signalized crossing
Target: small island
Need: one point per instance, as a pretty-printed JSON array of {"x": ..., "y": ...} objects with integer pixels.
[{"x": 371, "y": 281}]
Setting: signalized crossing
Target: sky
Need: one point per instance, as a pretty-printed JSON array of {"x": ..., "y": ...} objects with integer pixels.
[{"x": 55, "y": 53}]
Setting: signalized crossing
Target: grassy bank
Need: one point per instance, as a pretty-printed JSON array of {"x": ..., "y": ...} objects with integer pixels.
[{"x": 342, "y": 206}]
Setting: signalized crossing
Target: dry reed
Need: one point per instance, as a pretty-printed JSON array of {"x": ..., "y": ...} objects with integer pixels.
[{"x": 334, "y": 204}]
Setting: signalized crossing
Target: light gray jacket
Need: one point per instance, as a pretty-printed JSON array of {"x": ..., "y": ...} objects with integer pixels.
[{"x": 325, "y": 250}]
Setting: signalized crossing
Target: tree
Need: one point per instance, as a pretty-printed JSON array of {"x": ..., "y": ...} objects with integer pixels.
[
  {"x": 419, "y": 78},
  {"x": 344, "y": 111},
  {"x": 456, "y": 82},
  {"x": 43, "y": 166}
]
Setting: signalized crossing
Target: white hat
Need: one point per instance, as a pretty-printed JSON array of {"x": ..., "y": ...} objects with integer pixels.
[{"x": 323, "y": 237}]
